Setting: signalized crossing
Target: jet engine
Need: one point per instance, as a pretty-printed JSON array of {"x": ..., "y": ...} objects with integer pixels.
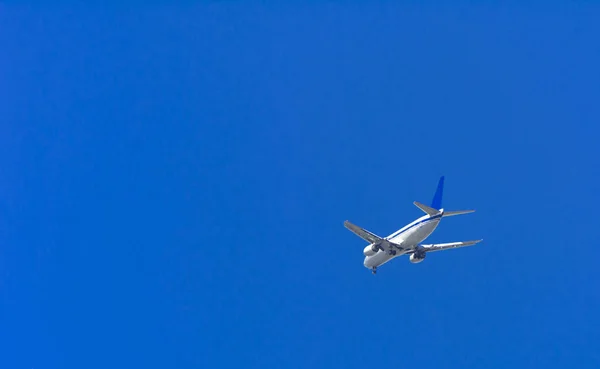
[
  {"x": 417, "y": 256},
  {"x": 370, "y": 250}
]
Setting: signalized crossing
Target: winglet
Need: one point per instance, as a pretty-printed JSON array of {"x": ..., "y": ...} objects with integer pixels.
[{"x": 436, "y": 203}]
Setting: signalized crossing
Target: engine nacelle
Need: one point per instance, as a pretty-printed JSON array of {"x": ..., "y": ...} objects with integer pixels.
[
  {"x": 416, "y": 257},
  {"x": 370, "y": 250}
]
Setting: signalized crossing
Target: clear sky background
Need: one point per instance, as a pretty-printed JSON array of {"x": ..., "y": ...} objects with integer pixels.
[{"x": 174, "y": 180}]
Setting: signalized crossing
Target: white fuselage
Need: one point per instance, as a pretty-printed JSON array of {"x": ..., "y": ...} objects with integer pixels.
[{"x": 408, "y": 237}]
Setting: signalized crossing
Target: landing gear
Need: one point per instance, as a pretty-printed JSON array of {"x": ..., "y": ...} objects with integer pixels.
[
  {"x": 374, "y": 270},
  {"x": 391, "y": 252}
]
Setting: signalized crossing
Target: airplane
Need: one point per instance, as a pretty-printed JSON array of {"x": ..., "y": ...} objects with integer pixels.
[{"x": 406, "y": 241}]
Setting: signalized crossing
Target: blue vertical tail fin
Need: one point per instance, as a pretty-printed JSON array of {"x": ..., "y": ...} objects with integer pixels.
[{"x": 436, "y": 203}]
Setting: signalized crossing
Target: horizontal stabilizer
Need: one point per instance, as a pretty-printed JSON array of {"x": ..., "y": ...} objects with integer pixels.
[
  {"x": 426, "y": 209},
  {"x": 450, "y": 245},
  {"x": 456, "y": 212}
]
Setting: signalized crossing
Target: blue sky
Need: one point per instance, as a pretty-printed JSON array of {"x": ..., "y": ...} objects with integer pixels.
[{"x": 175, "y": 179}]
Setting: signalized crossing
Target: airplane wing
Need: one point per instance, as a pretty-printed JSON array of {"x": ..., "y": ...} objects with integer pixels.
[
  {"x": 450, "y": 245},
  {"x": 383, "y": 243},
  {"x": 362, "y": 233}
]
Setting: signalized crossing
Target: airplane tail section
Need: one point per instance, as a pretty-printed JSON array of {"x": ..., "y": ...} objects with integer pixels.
[{"x": 436, "y": 203}]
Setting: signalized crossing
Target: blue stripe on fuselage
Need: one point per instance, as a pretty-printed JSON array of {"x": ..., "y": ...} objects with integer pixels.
[{"x": 421, "y": 222}]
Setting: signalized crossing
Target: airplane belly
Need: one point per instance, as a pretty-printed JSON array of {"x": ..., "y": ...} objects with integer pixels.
[
  {"x": 416, "y": 234},
  {"x": 421, "y": 232}
]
